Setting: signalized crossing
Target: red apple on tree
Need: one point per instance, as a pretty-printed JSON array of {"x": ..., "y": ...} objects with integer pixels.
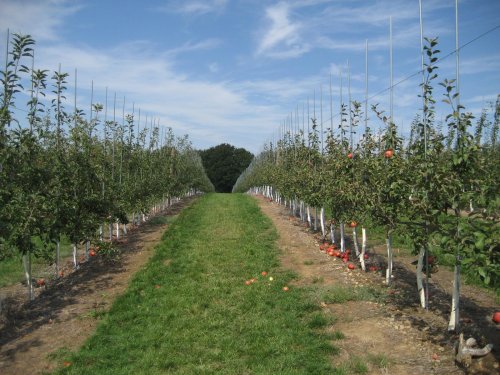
[{"x": 389, "y": 154}]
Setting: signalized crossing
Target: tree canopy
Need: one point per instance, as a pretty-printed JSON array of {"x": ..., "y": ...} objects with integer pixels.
[{"x": 223, "y": 164}]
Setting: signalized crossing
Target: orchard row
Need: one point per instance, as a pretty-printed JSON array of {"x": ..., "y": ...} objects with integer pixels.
[
  {"x": 439, "y": 187},
  {"x": 65, "y": 174}
]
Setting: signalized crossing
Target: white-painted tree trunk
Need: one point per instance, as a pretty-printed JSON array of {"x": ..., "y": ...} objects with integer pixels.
[
  {"x": 455, "y": 301},
  {"x": 332, "y": 232},
  {"x": 342, "y": 238},
  {"x": 363, "y": 249},
  {"x": 124, "y": 226},
  {"x": 355, "y": 240},
  {"x": 315, "y": 219},
  {"x": 309, "y": 215},
  {"x": 388, "y": 272},
  {"x": 87, "y": 246},
  {"x": 322, "y": 219},
  {"x": 28, "y": 275},
  {"x": 101, "y": 232},
  {"x": 117, "y": 230},
  {"x": 110, "y": 229},
  {"x": 420, "y": 277},
  {"x": 58, "y": 255},
  {"x": 75, "y": 261}
]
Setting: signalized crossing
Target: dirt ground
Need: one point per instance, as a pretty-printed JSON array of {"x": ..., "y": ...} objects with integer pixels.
[
  {"x": 64, "y": 315},
  {"x": 395, "y": 336}
]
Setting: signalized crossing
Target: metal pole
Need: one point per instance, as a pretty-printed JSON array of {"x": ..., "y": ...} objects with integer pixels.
[
  {"x": 366, "y": 87},
  {"x": 350, "y": 108},
  {"x": 331, "y": 106},
  {"x": 91, "y": 99},
  {"x": 341, "y": 111},
  {"x": 422, "y": 66},
  {"x": 76, "y": 84},
  {"x": 391, "y": 67},
  {"x": 457, "y": 48},
  {"x": 321, "y": 114}
]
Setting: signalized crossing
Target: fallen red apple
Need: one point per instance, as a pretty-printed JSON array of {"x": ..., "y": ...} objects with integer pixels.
[
  {"x": 286, "y": 289},
  {"x": 366, "y": 256},
  {"x": 351, "y": 266},
  {"x": 496, "y": 317},
  {"x": 40, "y": 282},
  {"x": 248, "y": 282},
  {"x": 92, "y": 253},
  {"x": 264, "y": 273}
]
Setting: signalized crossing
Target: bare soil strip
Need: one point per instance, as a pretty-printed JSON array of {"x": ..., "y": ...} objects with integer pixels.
[{"x": 394, "y": 336}]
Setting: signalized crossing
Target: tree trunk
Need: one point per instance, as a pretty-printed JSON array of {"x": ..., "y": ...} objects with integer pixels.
[
  {"x": 322, "y": 218},
  {"x": 363, "y": 249},
  {"x": 28, "y": 275},
  {"x": 332, "y": 232},
  {"x": 342, "y": 238},
  {"x": 87, "y": 245},
  {"x": 355, "y": 241},
  {"x": 75, "y": 261},
  {"x": 388, "y": 273},
  {"x": 420, "y": 284},
  {"x": 455, "y": 301},
  {"x": 58, "y": 255}
]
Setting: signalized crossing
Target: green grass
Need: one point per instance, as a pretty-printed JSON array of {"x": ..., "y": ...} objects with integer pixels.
[
  {"x": 12, "y": 272},
  {"x": 189, "y": 310},
  {"x": 342, "y": 294}
]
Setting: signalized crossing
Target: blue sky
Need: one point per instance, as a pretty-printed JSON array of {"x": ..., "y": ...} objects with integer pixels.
[{"x": 233, "y": 70}]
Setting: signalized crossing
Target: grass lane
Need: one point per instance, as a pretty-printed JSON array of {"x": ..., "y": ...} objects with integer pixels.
[{"x": 189, "y": 310}]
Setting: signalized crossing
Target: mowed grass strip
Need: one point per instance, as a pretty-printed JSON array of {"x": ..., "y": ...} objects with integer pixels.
[{"x": 190, "y": 312}]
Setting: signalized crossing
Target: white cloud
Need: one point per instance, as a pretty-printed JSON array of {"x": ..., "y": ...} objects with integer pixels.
[
  {"x": 195, "y": 7},
  {"x": 30, "y": 17},
  {"x": 206, "y": 44},
  {"x": 282, "y": 38},
  {"x": 209, "y": 112}
]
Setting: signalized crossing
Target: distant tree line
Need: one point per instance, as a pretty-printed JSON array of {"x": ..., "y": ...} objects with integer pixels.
[{"x": 223, "y": 164}]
